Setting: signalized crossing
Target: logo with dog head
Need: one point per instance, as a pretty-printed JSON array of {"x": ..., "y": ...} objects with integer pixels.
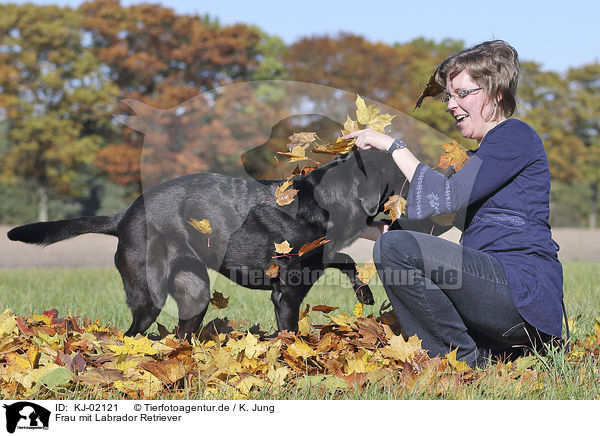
[{"x": 26, "y": 415}]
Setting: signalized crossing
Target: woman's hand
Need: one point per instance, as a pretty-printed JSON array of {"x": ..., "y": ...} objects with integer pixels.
[{"x": 368, "y": 138}]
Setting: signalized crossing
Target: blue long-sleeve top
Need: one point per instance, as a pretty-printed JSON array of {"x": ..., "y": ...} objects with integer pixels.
[{"x": 503, "y": 193}]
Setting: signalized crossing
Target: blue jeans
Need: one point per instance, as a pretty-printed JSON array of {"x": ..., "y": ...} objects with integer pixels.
[{"x": 451, "y": 296}]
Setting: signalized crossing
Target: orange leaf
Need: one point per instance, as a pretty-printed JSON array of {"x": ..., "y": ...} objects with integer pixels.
[
  {"x": 283, "y": 195},
  {"x": 312, "y": 245},
  {"x": 272, "y": 271},
  {"x": 455, "y": 155},
  {"x": 395, "y": 207}
]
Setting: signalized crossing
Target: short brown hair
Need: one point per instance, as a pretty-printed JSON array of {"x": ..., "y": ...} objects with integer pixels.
[{"x": 494, "y": 66}]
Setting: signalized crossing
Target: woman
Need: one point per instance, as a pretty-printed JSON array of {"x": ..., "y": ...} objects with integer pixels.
[{"x": 502, "y": 288}]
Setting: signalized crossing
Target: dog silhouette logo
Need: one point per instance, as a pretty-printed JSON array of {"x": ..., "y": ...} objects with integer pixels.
[{"x": 26, "y": 415}]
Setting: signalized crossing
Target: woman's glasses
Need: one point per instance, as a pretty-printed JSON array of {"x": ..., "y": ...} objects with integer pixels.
[{"x": 459, "y": 95}]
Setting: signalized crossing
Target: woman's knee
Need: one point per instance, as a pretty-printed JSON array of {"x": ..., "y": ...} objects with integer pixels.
[{"x": 396, "y": 246}]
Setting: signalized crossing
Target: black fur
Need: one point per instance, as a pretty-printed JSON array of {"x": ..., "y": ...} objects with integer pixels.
[{"x": 160, "y": 252}]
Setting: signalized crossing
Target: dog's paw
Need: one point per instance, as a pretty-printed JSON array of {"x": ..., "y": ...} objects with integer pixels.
[{"x": 364, "y": 295}]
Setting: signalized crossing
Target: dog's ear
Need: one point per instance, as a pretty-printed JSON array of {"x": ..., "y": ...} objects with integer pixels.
[{"x": 367, "y": 190}]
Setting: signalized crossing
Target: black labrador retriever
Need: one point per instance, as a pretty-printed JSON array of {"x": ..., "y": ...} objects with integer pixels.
[{"x": 160, "y": 251}]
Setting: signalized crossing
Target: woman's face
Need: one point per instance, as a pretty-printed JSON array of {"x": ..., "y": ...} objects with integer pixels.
[{"x": 471, "y": 111}]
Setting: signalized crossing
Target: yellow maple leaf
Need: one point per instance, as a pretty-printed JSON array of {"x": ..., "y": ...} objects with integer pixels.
[
  {"x": 395, "y": 207},
  {"x": 341, "y": 146},
  {"x": 400, "y": 349},
  {"x": 459, "y": 365},
  {"x": 455, "y": 155},
  {"x": 202, "y": 226},
  {"x": 304, "y": 326},
  {"x": 8, "y": 323},
  {"x": 297, "y": 154},
  {"x": 350, "y": 126},
  {"x": 366, "y": 272},
  {"x": 283, "y": 247},
  {"x": 370, "y": 116},
  {"x": 141, "y": 346},
  {"x": 300, "y": 349}
]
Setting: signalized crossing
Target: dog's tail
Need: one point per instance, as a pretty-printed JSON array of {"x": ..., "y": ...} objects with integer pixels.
[{"x": 46, "y": 233}]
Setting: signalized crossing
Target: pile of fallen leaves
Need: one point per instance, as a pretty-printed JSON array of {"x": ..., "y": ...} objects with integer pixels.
[{"x": 47, "y": 357}]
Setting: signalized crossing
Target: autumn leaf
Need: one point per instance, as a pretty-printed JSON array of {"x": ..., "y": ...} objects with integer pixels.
[
  {"x": 312, "y": 245},
  {"x": 454, "y": 155},
  {"x": 395, "y": 207},
  {"x": 141, "y": 346},
  {"x": 400, "y": 349},
  {"x": 284, "y": 195},
  {"x": 324, "y": 308},
  {"x": 301, "y": 139},
  {"x": 218, "y": 301},
  {"x": 297, "y": 154},
  {"x": 341, "y": 146},
  {"x": 202, "y": 226},
  {"x": 272, "y": 271},
  {"x": 371, "y": 117},
  {"x": 358, "y": 310},
  {"x": 350, "y": 126},
  {"x": 432, "y": 88},
  {"x": 367, "y": 271},
  {"x": 459, "y": 365},
  {"x": 283, "y": 247}
]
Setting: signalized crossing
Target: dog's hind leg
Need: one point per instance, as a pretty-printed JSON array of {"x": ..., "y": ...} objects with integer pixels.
[
  {"x": 190, "y": 287},
  {"x": 145, "y": 306}
]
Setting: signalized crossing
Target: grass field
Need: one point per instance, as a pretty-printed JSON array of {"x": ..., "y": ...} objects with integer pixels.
[{"x": 97, "y": 293}]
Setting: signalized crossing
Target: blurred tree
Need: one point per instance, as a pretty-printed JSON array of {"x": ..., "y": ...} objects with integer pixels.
[
  {"x": 164, "y": 59},
  {"x": 584, "y": 121},
  {"x": 54, "y": 97}
]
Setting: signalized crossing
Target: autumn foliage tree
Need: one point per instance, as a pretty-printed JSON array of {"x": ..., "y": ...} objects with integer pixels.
[{"x": 54, "y": 97}]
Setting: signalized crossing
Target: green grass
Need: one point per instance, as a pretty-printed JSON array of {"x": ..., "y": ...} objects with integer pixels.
[{"x": 98, "y": 293}]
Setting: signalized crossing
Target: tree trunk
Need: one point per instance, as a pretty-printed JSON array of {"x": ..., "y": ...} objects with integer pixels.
[
  {"x": 42, "y": 203},
  {"x": 593, "y": 217}
]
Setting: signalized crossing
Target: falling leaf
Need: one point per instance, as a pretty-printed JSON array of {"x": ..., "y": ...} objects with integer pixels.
[
  {"x": 455, "y": 155},
  {"x": 366, "y": 272},
  {"x": 395, "y": 207},
  {"x": 358, "y": 310},
  {"x": 284, "y": 195},
  {"x": 218, "y": 301},
  {"x": 283, "y": 247},
  {"x": 312, "y": 245},
  {"x": 272, "y": 271},
  {"x": 202, "y": 226},
  {"x": 432, "y": 88},
  {"x": 324, "y": 308}
]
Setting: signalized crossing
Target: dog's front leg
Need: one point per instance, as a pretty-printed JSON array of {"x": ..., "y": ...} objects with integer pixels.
[
  {"x": 287, "y": 300},
  {"x": 346, "y": 264}
]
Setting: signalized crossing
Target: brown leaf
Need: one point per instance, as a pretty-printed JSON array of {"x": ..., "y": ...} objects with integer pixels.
[
  {"x": 272, "y": 271},
  {"x": 395, "y": 207},
  {"x": 170, "y": 370},
  {"x": 298, "y": 153},
  {"x": 431, "y": 89},
  {"x": 312, "y": 245},
  {"x": 324, "y": 308},
  {"x": 302, "y": 139},
  {"x": 284, "y": 195},
  {"x": 219, "y": 301}
]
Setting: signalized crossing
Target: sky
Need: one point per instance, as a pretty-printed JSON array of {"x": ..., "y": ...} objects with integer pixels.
[{"x": 556, "y": 34}]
